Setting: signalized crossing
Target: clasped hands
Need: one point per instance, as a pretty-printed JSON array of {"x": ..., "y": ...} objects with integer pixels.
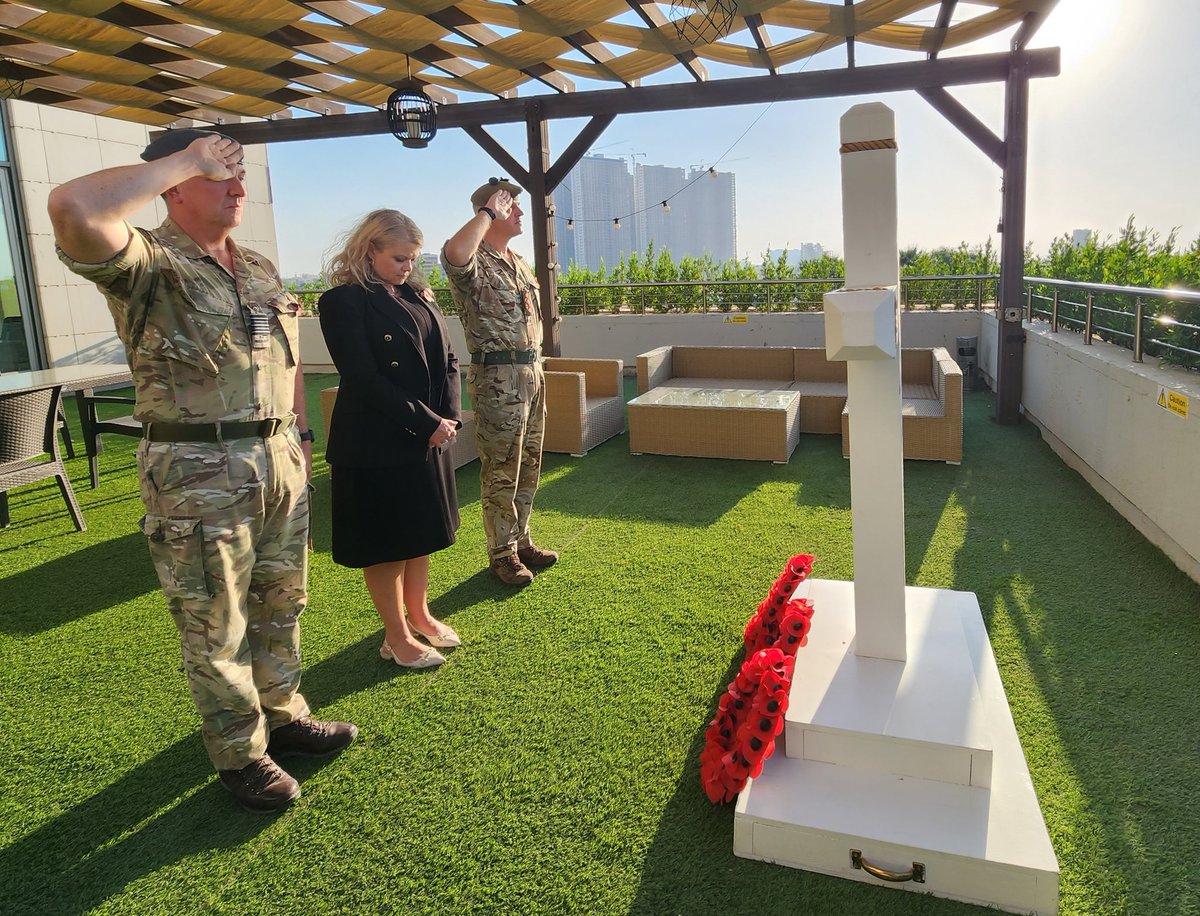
[{"x": 445, "y": 432}]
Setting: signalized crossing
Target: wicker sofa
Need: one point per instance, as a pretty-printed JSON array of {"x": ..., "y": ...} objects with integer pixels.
[
  {"x": 584, "y": 403},
  {"x": 931, "y": 388}
]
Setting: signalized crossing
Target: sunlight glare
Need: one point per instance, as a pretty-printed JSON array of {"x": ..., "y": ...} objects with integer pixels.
[{"x": 1080, "y": 27}]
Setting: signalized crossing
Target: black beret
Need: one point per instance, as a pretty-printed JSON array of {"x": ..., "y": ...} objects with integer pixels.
[{"x": 172, "y": 141}]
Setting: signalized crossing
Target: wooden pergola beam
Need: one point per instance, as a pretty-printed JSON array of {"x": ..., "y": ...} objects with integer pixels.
[
  {"x": 820, "y": 84},
  {"x": 653, "y": 17}
]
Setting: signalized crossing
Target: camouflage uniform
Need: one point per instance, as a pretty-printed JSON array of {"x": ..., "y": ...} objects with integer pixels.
[
  {"x": 498, "y": 303},
  {"x": 226, "y": 522}
]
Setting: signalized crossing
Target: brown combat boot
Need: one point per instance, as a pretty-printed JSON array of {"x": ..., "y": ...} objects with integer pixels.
[
  {"x": 261, "y": 786},
  {"x": 309, "y": 738},
  {"x": 509, "y": 570},
  {"x": 536, "y": 557}
]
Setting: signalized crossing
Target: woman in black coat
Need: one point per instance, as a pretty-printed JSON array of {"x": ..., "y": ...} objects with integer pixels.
[{"x": 395, "y": 418}]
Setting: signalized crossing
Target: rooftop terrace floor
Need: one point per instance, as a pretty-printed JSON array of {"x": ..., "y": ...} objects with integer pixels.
[{"x": 552, "y": 765}]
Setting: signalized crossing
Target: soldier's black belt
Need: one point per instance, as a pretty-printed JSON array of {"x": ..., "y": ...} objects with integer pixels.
[
  {"x": 215, "y": 432},
  {"x": 504, "y": 357}
]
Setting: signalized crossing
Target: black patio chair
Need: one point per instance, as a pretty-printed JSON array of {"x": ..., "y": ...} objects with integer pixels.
[
  {"x": 28, "y": 430},
  {"x": 94, "y": 427}
]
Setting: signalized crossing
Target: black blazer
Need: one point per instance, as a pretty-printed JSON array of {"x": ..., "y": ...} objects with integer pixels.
[{"x": 389, "y": 400}]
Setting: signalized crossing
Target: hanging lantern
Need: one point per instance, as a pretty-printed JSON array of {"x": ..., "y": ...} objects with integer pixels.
[
  {"x": 411, "y": 115},
  {"x": 701, "y": 22}
]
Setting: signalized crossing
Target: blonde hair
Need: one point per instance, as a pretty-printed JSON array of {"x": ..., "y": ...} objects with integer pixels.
[{"x": 378, "y": 229}]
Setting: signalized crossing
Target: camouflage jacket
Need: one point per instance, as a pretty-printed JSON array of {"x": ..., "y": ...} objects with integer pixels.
[
  {"x": 498, "y": 303},
  {"x": 187, "y": 326}
]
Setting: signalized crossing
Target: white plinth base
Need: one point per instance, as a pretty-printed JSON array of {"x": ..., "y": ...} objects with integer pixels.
[{"x": 914, "y": 761}]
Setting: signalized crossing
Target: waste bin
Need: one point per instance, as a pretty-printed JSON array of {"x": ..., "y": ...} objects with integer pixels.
[{"x": 968, "y": 361}]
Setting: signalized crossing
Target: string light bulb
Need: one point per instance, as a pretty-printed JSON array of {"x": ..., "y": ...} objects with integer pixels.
[
  {"x": 666, "y": 207},
  {"x": 712, "y": 171},
  {"x": 571, "y": 224},
  {"x": 616, "y": 222}
]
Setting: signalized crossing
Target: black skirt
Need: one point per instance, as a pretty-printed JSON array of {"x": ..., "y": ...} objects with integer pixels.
[{"x": 382, "y": 515}]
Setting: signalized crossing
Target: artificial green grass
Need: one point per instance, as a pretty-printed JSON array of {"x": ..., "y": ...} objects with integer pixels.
[{"x": 551, "y": 766}]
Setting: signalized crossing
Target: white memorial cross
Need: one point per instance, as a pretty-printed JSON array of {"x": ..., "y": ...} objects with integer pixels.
[
  {"x": 900, "y": 761},
  {"x": 862, "y": 327}
]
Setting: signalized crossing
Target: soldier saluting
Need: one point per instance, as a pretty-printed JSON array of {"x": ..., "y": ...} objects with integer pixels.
[
  {"x": 212, "y": 342},
  {"x": 497, "y": 298}
]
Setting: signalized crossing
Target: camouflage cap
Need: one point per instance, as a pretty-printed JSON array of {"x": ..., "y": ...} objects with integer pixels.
[
  {"x": 172, "y": 141},
  {"x": 484, "y": 192}
]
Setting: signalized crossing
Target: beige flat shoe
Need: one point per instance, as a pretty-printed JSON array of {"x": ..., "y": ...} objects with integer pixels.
[
  {"x": 448, "y": 641},
  {"x": 430, "y": 658}
]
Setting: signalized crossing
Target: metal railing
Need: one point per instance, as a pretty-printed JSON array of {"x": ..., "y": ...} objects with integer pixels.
[
  {"x": 959, "y": 291},
  {"x": 1142, "y": 319},
  {"x": 763, "y": 295}
]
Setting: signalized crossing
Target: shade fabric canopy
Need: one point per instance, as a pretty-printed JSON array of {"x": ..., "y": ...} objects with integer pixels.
[{"x": 171, "y": 62}]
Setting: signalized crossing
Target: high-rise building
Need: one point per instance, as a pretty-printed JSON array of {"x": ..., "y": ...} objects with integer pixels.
[
  {"x": 805, "y": 251},
  {"x": 652, "y": 185},
  {"x": 709, "y": 207},
  {"x": 702, "y": 215},
  {"x": 601, "y": 191},
  {"x": 564, "y": 212}
]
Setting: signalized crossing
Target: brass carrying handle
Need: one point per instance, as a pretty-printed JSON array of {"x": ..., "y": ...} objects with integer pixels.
[{"x": 916, "y": 874}]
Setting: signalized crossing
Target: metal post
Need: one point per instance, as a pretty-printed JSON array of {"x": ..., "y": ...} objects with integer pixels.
[
  {"x": 1029, "y": 303},
  {"x": 979, "y": 294},
  {"x": 1137, "y": 330},
  {"x": 1054, "y": 314},
  {"x": 1087, "y": 322}
]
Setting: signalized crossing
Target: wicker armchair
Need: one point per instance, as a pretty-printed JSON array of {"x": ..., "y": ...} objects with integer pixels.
[
  {"x": 584, "y": 403},
  {"x": 28, "y": 430}
]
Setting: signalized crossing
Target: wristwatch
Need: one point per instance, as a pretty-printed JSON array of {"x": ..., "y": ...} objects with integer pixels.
[
  {"x": 489, "y": 211},
  {"x": 307, "y": 436}
]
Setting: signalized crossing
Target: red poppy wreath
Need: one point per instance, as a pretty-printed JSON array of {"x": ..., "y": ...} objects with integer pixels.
[{"x": 750, "y": 713}]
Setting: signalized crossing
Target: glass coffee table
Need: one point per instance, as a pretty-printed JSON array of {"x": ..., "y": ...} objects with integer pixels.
[{"x": 743, "y": 423}]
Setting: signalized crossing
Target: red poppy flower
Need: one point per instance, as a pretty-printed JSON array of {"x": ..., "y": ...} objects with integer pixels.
[
  {"x": 770, "y": 703},
  {"x": 800, "y": 606},
  {"x": 800, "y": 566}
]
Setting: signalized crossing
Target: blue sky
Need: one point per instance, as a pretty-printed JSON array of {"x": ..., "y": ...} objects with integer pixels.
[{"x": 1113, "y": 136}]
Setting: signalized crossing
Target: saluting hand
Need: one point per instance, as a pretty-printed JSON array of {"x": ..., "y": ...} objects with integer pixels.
[
  {"x": 218, "y": 158},
  {"x": 501, "y": 203}
]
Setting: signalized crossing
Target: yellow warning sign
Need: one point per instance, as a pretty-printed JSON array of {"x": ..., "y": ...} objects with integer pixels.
[
  {"x": 1173, "y": 401},
  {"x": 736, "y": 319}
]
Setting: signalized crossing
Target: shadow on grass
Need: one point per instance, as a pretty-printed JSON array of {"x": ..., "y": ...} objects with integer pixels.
[
  {"x": 661, "y": 489},
  {"x": 690, "y": 828},
  {"x": 67, "y": 587},
  {"x": 1107, "y": 641},
  {"x": 163, "y": 811},
  {"x": 158, "y": 814},
  {"x": 928, "y": 486}
]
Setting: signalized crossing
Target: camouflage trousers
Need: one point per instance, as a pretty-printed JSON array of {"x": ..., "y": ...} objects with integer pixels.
[
  {"x": 227, "y": 527},
  {"x": 510, "y": 419}
]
